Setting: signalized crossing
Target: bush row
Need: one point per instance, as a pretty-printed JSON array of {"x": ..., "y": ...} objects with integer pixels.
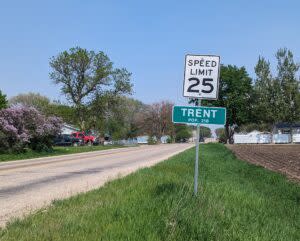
[{"x": 24, "y": 127}]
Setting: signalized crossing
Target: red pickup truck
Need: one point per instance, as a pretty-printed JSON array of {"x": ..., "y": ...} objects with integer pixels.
[{"x": 86, "y": 139}]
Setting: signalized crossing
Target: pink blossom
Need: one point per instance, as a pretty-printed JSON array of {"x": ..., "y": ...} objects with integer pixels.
[{"x": 21, "y": 126}]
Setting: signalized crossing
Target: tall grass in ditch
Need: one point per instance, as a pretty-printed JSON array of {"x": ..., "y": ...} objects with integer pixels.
[{"x": 236, "y": 201}]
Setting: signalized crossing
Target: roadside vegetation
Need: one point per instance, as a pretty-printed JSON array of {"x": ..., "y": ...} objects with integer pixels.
[
  {"x": 261, "y": 102},
  {"x": 24, "y": 127},
  {"x": 98, "y": 99},
  {"x": 98, "y": 96},
  {"x": 58, "y": 150},
  {"x": 236, "y": 201},
  {"x": 98, "y": 103}
]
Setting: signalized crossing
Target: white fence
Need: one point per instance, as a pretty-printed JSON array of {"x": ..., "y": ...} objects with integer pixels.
[
  {"x": 282, "y": 138},
  {"x": 129, "y": 142},
  {"x": 139, "y": 140},
  {"x": 245, "y": 139},
  {"x": 262, "y": 138},
  {"x": 252, "y": 138},
  {"x": 296, "y": 138}
]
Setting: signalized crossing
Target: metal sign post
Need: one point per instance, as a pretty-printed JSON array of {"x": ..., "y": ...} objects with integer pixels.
[
  {"x": 197, "y": 156},
  {"x": 197, "y": 115},
  {"x": 201, "y": 81}
]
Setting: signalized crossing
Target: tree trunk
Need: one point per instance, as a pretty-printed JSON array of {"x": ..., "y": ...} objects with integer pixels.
[
  {"x": 80, "y": 113},
  {"x": 227, "y": 133}
]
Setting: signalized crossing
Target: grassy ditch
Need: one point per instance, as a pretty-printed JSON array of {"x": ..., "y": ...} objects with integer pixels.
[
  {"x": 236, "y": 201},
  {"x": 55, "y": 152}
]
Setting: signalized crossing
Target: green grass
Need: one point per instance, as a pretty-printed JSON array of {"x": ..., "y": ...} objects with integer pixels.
[
  {"x": 56, "y": 151},
  {"x": 236, "y": 201}
]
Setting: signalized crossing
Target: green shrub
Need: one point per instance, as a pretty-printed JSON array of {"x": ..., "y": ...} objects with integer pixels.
[
  {"x": 221, "y": 135},
  {"x": 152, "y": 140},
  {"x": 169, "y": 140}
]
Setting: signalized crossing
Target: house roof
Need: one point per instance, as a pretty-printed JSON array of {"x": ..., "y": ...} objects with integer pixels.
[
  {"x": 287, "y": 125},
  {"x": 70, "y": 127}
]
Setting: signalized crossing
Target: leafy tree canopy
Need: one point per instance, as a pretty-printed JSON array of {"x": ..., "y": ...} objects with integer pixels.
[
  {"x": 31, "y": 99},
  {"x": 235, "y": 93},
  {"x": 3, "y": 100},
  {"x": 83, "y": 74},
  {"x": 182, "y": 132},
  {"x": 205, "y": 132},
  {"x": 277, "y": 99}
]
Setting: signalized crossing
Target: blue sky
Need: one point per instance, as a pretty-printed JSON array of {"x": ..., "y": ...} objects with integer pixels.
[{"x": 149, "y": 38}]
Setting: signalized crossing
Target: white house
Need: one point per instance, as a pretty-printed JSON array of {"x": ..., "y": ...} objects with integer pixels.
[
  {"x": 68, "y": 129},
  {"x": 286, "y": 133}
]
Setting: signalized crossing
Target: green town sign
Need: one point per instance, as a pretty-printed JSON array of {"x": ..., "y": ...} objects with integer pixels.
[{"x": 199, "y": 115}]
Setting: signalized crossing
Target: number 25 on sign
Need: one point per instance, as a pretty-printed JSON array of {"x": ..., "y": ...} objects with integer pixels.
[{"x": 201, "y": 76}]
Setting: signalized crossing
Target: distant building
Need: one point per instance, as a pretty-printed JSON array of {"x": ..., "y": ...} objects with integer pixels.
[
  {"x": 68, "y": 129},
  {"x": 164, "y": 139},
  {"x": 283, "y": 133},
  {"x": 142, "y": 139},
  {"x": 286, "y": 133},
  {"x": 286, "y": 128}
]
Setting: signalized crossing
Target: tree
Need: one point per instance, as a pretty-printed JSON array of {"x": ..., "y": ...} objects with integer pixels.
[
  {"x": 138, "y": 120},
  {"x": 83, "y": 74},
  {"x": 65, "y": 112},
  {"x": 255, "y": 126},
  {"x": 133, "y": 110},
  {"x": 235, "y": 93},
  {"x": 266, "y": 94},
  {"x": 3, "y": 101},
  {"x": 158, "y": 119},
  {"x": 115, "y": 115},
  {"x": 182, "y": 133},
  {"x": 220, "y": 133},
  {"x": 31, "y": 99},
  {"x": 289, "y": 84},
  {"x": 276, "y": 99},
  {"x": 44, "y": 105},
  {"x": 205, "y": 132}
]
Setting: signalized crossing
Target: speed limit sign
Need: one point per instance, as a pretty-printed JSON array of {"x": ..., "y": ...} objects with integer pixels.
[{"x": 201, "y": 76}]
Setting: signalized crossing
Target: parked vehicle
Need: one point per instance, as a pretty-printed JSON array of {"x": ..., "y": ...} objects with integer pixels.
[
  {"x": 67, "y": 140},
  {"x": 183, "y": 140},
  {"x": 87, "y": 139},
  {"x": 96, "y": 141}
]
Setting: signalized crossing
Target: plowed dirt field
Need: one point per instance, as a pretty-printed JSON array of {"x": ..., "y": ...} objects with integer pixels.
[{"x": 280, "y": 158}]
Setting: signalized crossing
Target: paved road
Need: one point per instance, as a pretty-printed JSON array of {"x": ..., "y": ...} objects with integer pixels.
[{"x": 32, "y": 184}]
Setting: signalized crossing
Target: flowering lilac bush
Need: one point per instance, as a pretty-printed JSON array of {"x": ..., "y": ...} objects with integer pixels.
[{"x": 22, "y": 126}]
